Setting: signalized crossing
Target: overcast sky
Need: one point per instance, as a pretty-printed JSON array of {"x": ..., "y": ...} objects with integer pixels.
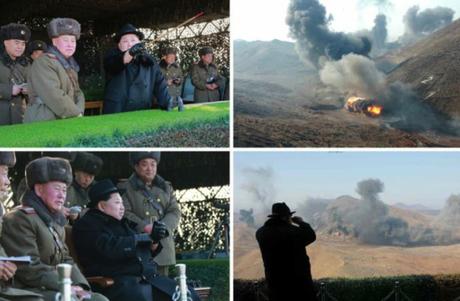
[
  {"x": 265, "y": 20},
  {"x": 426, "y": 178}
]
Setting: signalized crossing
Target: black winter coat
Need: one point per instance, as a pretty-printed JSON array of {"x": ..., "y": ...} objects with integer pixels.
[
  {"x": 131, "y": 87},
  {"x": 287, "y": 266}
]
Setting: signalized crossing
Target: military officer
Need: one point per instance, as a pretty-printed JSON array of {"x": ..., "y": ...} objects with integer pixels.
[
  {"x": 205, "y": 77},
  {"x": 36, "y": 49},
  {"x": 174, "y": 77},
  {"x": 8, "y": 268},
  {"x": 14, "y": 67},
  {"x": 149, "y": 198},
  {"x": 85, "y": 167},
  {"x": 37, "y": 229},
  {"x": 53, "y": 78}
]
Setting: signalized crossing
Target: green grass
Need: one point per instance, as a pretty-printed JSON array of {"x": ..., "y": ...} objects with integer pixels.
[
  {"x": 210, "y": 272},
  {"x": 109, "y": 128}
]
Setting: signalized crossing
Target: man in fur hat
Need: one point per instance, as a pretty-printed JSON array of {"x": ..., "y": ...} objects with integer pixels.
[
  {"x": 108, "y": 246},
  {"x": 133, "y": 76},
  {"x": 174, "y": 77},
  {"x": 282, "y": 241},
  {"x": 149, "y": 198},
  {"x": 54, "y": 89},
  {"x": 86, "y": 167},
  {"x": 37, "y": 229},
  {"x": 206, "y": 78},
  {"x": 36, "y": 49},
  {"x": 8, "y": 268},
  {"x": 14, "y": 66}
]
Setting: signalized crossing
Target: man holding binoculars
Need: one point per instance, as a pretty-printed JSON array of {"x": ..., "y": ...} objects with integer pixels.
[{"x": 133, "y": 76}]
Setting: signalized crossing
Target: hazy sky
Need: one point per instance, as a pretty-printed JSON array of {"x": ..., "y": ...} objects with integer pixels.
[
  {"x": 427, "y": 178},
  {"x": 265, "y": 20}
]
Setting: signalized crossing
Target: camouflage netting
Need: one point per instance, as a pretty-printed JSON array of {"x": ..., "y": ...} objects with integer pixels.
[{"x": 199, "y": 225}]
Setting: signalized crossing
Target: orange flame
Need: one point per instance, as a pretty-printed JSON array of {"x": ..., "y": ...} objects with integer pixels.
[{"x": 375, "y": 110}]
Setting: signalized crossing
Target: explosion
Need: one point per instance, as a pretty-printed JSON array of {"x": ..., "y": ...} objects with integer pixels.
[{"x": 368, "y": 107}]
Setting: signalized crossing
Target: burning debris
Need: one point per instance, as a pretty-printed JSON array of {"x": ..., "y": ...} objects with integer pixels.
[
  {"x": 343, "y": 63},
  {"x": 368, "y": 107}
]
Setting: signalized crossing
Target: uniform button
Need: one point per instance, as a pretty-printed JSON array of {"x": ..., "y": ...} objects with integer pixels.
[
  {"x": 147, "y": 213},
  {"x": 12, "y": 104},
  {"x": 140, "y": 259},
  {"x": 158, "y": 200}
]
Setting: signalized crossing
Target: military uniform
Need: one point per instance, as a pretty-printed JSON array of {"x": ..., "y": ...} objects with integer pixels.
[
  {"x": 33, "y": 230},
  {"x": 10, "y": 293},
  {"x": 77, "y": 196},
  {"x": 144, "y": 204},
  {"x": 171, "y": 72},
  {"x": 90, "y": 164},
  {"x": 201, "y": 75},
  {"x": 12, "y": 72},
  {"x": 54, "y": 91}
]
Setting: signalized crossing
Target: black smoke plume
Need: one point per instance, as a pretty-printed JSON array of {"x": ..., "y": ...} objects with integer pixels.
[
  {"x": 247, "y": 216},
  {"x": 308, "y": 24},
  {"x": 427, "y": 21},
  {"x": 379, "y": 34}
]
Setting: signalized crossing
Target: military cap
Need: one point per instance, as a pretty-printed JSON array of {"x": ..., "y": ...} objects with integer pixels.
[
  {"x": 101, "y": 191},
  {"x": 88, "y": 163},
  {"x": 170, "y": 50},
  {"x": 47, "y": 169},
  {"x": 135, "y": 157},
  {"x": 205, "y": 50},
  {"x": 126, "y": 29},
  {"x": 37, "y": 45},
  {"x": 63, "y": 26},
  {"x": 7, "y": 158},
  {"x": 14, "y": 31},
  {"x": 281, "y": 209}
]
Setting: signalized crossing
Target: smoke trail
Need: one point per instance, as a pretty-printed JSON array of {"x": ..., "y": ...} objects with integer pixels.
[
  {"x": 308, "y": 24},
  {"x": 379, "y": 32},
  {"x": 259, "y": 184}
]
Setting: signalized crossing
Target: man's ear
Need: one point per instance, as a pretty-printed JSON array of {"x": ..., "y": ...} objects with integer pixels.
[
  {"x": 101, "y": 206},
  {"x": 38, "y": 188}
]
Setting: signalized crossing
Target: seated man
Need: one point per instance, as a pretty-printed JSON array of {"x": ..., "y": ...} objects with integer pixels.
[
  {"x": 107, "y": 245},
  {"x": 8, "y": 268},
  {"x": 133, "y": 76},
  {"x": 37, "y": 229},
  {"x": 86, "y": 167}
]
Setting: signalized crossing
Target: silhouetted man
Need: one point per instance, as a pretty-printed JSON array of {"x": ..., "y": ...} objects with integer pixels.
[{"x": 282, "y": 241}]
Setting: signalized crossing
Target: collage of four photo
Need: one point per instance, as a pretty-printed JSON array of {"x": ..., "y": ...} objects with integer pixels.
[{"x": 229, "y": 150}]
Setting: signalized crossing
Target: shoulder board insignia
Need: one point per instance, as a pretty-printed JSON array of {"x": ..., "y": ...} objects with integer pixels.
[
  {"x": 51, "y": 56},
  {"x": 27, "y": 210}
]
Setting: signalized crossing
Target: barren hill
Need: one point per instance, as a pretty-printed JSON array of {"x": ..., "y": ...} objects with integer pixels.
[
  {"x": 432, "y": 67},
  {"x": 342, "y": 257}
]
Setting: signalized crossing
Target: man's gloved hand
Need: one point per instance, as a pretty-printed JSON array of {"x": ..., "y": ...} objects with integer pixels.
[
  {"x": 159, "y": 231},
  {"x": 145, "y": 59},
  {"x": 137, "y": 49}
]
